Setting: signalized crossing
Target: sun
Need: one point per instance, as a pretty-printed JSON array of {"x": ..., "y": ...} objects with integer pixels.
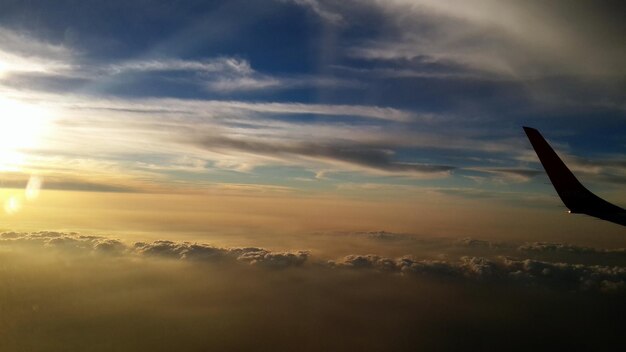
[{"x": 22, "y": 126}]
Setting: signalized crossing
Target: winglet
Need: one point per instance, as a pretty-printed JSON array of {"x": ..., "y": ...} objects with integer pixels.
[
  {"x": 563, "y": 180},
  {"x": 574, "y": 195}
]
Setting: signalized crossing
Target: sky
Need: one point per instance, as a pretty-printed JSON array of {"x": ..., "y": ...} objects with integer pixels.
[
  {"x": 309, "y": 145},
  {"x": 418, "y": 102}
]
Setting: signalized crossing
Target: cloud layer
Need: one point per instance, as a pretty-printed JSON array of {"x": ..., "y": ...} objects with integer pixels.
[
  {"x": 500, "y": 269},
  {"x": 528, "y": 271},
  {"x": 67, "y": 290}
]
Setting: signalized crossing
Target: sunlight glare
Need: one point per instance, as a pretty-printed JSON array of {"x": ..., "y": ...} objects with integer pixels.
[{"x": 22, "y": 127}]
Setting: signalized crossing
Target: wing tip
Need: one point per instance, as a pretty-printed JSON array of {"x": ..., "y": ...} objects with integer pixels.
[{"x": 529, "y": 129}]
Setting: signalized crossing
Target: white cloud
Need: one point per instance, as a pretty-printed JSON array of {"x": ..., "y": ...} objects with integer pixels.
[
  {"x": 320, "y": 10},
  {"x": 213, "y": 65},
  {"x": 20, "y": 53},
  {"x": 515, "y": 39},
  {"x": 169, "y": 129},
  {"x": 231, "y": 84}
]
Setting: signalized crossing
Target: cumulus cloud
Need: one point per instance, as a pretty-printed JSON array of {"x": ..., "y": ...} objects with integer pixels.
[
  {"x": 204, "y": 252},
  {"x": 497, "y": 268},
  {"x": 262, "y": 257},
  {"x": 539, "y": 247},
  {"x": 366, "y": 261},
  {"x": 526, "y": 271},
  {"x": 160, "y": 248},
  {"x": 61, "y": 240}
]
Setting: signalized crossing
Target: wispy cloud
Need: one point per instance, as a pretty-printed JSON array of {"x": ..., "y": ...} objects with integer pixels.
[
  {"x": 320, "y": 9},
  {"x": 514, "y": 175},
  {"x": 139, "y": 141},
  {"x": 22, "y": 53},
  {"x": 24, "y": 58},
  {"x": 147, "y": 137},
  {"x": 220, "y": 64},
  {"x": 365, "y": 156},
  {"x": 603, "y": 168},
  {"x": 493, "y": 37}
]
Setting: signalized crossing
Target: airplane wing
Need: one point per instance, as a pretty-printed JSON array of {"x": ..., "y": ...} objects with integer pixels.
[{"x": 577, "y": 198}]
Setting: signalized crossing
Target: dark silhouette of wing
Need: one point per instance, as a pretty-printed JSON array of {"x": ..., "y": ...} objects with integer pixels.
[{"x": 575, "y": 196}]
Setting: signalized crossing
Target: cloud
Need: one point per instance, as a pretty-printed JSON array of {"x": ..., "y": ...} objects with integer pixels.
[
  {"x": 257, "y": 81},
  {"x": 21, "y": 52},
  {"x": 144, "y": 139},
  {"x": 212, "y": 65},
  {"x": 209, "y": 108},
  {"x": 369, "y": 261},
  {"x": 222, "y": 75},
  {"x": 63, "y": 289},
  {"x": 319, "y": 9},
  {"x": 272, "y": 260},
  {"x": 203, "y": 252},
  {"x": 335, "y": 143},
  {"x": 607, "y": 168},
  {"x": 545, "y": 251},
  {"x": 512, "y": 197},
  {"x": 64, "y": 241},
  {"x": 232, "y": 84},
  {"x": 568, "y": 248},
  {"x": 384, "y": 235},
  {"x": 378, "y": 139},
  {"x": 573, "y": 253},
  {"x": 30, "y": 63},
  {"x": 509, "y": 175},
  {"x": 366, "y": 156},
  {"x": 21, "y": 42},
  {"x": 161, "y": 248},
  {"x": 495, "y": 269},
  {"x": 527, "y": 271},
  {"x": 243, "y": 188},
  {"x": 493, "y": 37},
  {"x": 478, "y": 243}
]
